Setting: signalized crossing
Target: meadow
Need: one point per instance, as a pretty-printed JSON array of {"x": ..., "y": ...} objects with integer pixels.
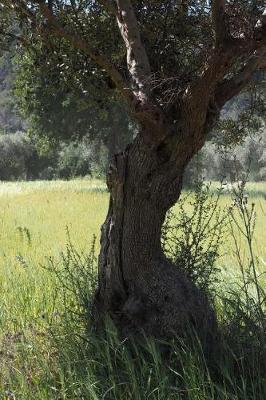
[{"x": 38, "y": 348}]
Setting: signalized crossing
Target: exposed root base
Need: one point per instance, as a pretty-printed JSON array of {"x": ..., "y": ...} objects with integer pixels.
[{"x": 162, "y": 305}]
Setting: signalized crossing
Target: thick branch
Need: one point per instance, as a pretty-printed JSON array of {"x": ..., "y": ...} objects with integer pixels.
[
  {"x": 212, "y": 81},
  {"x": 218, "y": 18},
  {"x": 137, "y": 59},
  {"x": 232, "y": 87}
]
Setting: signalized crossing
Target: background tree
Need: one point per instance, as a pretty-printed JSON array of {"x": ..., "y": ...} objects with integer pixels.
[{"x": 176, "y": 65}]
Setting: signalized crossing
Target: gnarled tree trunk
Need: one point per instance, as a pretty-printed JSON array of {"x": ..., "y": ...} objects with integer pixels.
[{"x": 138, "y": 286}]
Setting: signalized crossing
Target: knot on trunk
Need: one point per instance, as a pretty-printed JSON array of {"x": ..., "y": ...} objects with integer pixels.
[{"x": 117, "y": 170}]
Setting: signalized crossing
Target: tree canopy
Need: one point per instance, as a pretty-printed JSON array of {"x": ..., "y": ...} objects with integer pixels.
[
  {"x": 71, "y": 56},
  {"x": 177, "y": 43}
]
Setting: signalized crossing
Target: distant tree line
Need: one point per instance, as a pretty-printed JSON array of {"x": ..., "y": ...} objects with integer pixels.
[
  {"x": 231, "y": 164},
  {"x": 22, "y": 158}
]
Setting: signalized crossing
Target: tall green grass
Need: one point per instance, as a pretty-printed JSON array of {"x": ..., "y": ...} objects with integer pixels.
[{"x": 46, "y": 282}]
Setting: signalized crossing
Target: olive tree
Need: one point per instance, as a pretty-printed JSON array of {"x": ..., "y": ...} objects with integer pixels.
[{"x": 175, "y": 64}]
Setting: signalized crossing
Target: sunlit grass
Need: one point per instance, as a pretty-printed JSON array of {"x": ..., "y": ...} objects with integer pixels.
[
  {"x": 76, "y": 185},
  {"x": 34, "y": 225}
]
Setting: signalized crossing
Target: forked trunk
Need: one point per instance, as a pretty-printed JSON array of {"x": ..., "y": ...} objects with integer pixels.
[{"x": 138, "y": 287}]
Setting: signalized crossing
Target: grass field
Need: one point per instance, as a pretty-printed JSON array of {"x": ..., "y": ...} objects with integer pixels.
[{"x": 36, "y": 220}]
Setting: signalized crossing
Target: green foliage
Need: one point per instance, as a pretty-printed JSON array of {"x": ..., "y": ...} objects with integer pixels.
[
  {"x": 61, "y": 101},
  {"x": 244, "y": 116},
  {"x": 55, "y": 105},
  {"x": 62, "y": 95}
]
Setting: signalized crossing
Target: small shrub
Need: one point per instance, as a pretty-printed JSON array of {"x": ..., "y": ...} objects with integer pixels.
[
  {"x": 76, "y": 282},
  {"x": 192, "y": 236},
  {"x": 244, "y": 301}
]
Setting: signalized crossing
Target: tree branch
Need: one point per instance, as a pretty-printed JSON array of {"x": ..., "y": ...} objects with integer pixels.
[
  {"x": 232, "y": 87},
  {"x": 218, "y": 20},
  {"x": 212, "y": 81},
  {"x": 137, "y": 59}
]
